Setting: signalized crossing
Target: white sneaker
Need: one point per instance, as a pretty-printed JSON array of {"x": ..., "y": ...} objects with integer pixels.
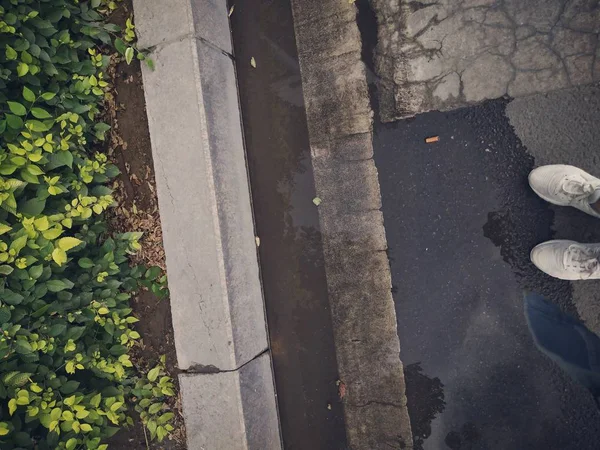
[
  {"x": 566, "y": 186},
  {"x": 568, "y": 260}
]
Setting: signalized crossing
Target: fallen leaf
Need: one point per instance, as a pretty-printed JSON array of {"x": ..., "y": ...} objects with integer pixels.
[
  {"x": 341, "y": 389},
  {"x": 253, "y": 62},
  {"x": 231, "y": 10},
  {"x": 317, "y": 201}
]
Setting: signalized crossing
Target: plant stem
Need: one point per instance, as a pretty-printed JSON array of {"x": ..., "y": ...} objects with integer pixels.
[{"x": 146, "y": 437}]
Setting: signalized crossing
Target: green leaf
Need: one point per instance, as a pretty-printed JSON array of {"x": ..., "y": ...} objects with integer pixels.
[
  {"x": 6, "y": 270},
  {"x": 118, "y": 350},
  {"x": 40, "y": 312},
  {"x": 23, "y": 347},
  {"x": 28, "y": 94},
  {"x": 26, "y": 57},
  {"x": 129, "y": 53},
  {"x": 10, "y": 18},
  {"x": 101, "y": 128},
  {"x": 95, "y": 400},
  {"x": 67, "y": 243},
  {"x": 4, "y": 315},
  {"x": 57, "y": 285},
  {"x": 156, "y": 407},
  {"x": 35, "y": 50},
  {"x": 36, "y": 271},
  {"x": 40, "y": 113},
  {"x": 18, "y": 160},
  {"x": 60, "y": 158},
  {"x": 14, "y": 122},
  {"x": 75, "y": 333},
  {"x": 16, "y": 379},
  {"x": 50, "y": 69},
  {"x": 22, "y": 69},
  {"x": 11, "y": 298},
  {"x": 36, "y": 125},
  {"x": 69, "y": 387},
  {"x": 52, "y": 233},
  {"x": 57, "y": 329},
  {"x": 153, "y": 272},
  {"x": 115, "y": 406},
  {"x": 55, "y": 414},
  {"x": 86, "y": 263},
  {"x": 17, "y": 108},
  {"x": 11, "y": 53},
  {"x": 33, "y": 207},
  {"x": 18, "y": 244},
  {"x": 71, "y": 444},
  {"x": 26, "y": 175},
  {"x": 120, "y": 46},
  {"x": 48, "y": 95},
  {"x": 4, "y": 228},
  {"x": 34, "y": 170},
  {"x": 153, "y": 374},
  {"x": 166, "y": 417},
  {"x": 150, "y": 63}
]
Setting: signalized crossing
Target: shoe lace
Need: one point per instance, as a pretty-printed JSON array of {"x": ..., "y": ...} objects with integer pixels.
[
  {"x": 576, "y": 186},
  {"x": 582, "y": 259}
]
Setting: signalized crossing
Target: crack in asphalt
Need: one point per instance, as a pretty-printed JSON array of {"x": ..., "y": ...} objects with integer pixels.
[{"x": 444, "y": 55}]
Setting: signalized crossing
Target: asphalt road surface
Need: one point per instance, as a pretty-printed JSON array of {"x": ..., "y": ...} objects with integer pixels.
[{"x": 460, "y": 221}]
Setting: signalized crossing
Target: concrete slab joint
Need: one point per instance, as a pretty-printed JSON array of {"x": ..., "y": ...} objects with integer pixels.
[{"x": 208, "y": 232}]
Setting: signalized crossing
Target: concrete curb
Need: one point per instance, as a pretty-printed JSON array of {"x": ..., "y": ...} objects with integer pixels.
[
  {"x": 228, "y": 392},
  {"x": 354, "y": 243}
]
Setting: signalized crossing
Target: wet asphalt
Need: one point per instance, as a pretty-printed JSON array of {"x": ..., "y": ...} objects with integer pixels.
[
  {"x": 460, "y": 221},
  {"x": 287, "y": 223}
]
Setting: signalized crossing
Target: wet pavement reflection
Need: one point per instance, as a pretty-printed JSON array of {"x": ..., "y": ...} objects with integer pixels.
[
  {"x": 291, "y": 256},
  {"x": 460, "y": 221}
]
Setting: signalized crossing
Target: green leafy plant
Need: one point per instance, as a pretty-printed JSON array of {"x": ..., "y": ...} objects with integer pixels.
[
  {"x": 126, "y": 45},
  {"x": 152, "y": 279},
  {"x": 66, "y": 327},
  {"x": 151, "y": 393}
]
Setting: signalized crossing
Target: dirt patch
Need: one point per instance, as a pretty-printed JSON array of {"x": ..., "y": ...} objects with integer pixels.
[{"x": 137, "y": 210}]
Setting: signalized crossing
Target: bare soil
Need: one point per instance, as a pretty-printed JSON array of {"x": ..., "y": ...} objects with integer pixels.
[{"x": 137, "y": 210}]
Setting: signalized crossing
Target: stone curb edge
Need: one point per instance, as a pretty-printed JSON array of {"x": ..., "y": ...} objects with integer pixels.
[
  {"x": 359, "y": 284},
  {"x": 227, "y": 387}
]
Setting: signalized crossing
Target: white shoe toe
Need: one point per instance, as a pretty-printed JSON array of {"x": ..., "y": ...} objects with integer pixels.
[{"x": 549, "y": 258}]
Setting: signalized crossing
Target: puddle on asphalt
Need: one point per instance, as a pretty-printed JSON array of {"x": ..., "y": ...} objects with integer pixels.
[
  {"x": 291, "y": 256},
  {"x": 427, "y": 397},
  {"x": 460, "y": 221}
]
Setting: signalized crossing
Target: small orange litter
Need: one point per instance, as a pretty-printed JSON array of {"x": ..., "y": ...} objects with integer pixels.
[{"x": 432, "y": 139}]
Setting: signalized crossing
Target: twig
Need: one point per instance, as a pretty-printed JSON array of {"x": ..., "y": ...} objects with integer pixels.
[{"x": 146, "y": 437}]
